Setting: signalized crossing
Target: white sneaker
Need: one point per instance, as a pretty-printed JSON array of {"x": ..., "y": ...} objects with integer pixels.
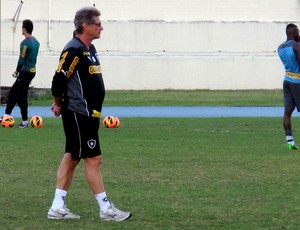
[
  {"x": 61, "y": 213},
  {"x": 114, "y": 214},
  {"x": 22, "y": 126}
]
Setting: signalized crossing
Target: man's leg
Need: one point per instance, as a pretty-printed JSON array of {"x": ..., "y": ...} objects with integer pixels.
[
  {"x": 93, "y": 174},
  {"x": 287, "y": 125},
  {"x": 12, "y": 97},
  {"x": 65, "y": 171},
  {"x": 22, "y": 100},
  {"x": 65, "y": 174},
  {"x": 290, "y": 93},
  {"x": 94, "y": 178},
  {"x": 108, "y": 211},
  {"x": 287, "y": 117}
]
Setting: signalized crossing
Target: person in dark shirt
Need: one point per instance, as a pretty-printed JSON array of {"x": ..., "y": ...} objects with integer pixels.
[
  {"x": 25, "y": 72},
  {"x": 78, "y": 91}
]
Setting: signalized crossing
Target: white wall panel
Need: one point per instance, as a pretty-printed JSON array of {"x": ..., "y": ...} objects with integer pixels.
[
  {"x": 166, "y": 10},
  {"x": 208, "y": 44},
  {"x": 171, "y": 72}
]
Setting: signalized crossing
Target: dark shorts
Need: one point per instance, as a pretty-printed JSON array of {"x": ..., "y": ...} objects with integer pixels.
[
  {"x": 81, "y": 131},
  {"x": 291, "y": 94}
]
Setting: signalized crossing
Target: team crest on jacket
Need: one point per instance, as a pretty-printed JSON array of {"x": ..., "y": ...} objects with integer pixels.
[{"x": 91, "y": 143}]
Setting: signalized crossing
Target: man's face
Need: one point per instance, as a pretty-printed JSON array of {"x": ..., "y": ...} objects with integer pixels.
[{"x": 94, "y": 29}]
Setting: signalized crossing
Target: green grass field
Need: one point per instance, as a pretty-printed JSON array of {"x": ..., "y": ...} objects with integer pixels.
[
  {"x": 184, "y": 98},
  {"x": 171, "y": 173}
]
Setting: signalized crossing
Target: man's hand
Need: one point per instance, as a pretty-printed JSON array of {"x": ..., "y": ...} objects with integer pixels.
[
  {"x": 56, "y": 109},
  {"x": 15, "y": 74}
]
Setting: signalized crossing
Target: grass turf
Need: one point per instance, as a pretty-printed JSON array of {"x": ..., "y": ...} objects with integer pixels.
[
  {"x": 183, "y": 98},
  {"x": 171, "y": 173}
]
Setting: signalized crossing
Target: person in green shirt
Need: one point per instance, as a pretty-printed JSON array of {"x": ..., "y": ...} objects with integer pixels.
[{"x": 25, "y": 72}]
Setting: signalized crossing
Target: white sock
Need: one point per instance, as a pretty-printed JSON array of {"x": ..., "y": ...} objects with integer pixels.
[
  {"x": 59, "y": 199},
  {"x": 102, "y": 201},
  {"x": 24, "y": 122},
  {"x": 290, "y": 140}
]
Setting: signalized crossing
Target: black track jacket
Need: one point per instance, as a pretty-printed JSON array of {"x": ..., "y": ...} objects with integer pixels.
[{"x": 78, "y": 79}]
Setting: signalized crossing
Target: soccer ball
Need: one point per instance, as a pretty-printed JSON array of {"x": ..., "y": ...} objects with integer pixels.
[
  {"x": 36, "y": 122},
  {"x": 117, "y": 122},
  {"x": 111, "y": 122},
  {"x": 108, "y": 122},
  {"x": 7, "y": 121}
]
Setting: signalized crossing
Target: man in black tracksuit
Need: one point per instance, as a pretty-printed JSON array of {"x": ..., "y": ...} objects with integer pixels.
[{"x": 78, "y": 91}]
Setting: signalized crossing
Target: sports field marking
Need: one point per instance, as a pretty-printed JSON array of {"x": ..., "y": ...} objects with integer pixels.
[{"x": 223, "y": 131}]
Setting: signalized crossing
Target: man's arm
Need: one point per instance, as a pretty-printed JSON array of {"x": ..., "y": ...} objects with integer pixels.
[
  {"x": 21, "y": 61},
  {"x": 297, "y": 51},
  {"x": 67, "y": 64}
]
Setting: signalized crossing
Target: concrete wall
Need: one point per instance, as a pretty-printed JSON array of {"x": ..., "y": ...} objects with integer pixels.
[{"x": 162, "y": 44}]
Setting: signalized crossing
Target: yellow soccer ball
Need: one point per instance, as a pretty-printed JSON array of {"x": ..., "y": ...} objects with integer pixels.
[
  {"x": 36, "y": 122},
  {"x": 7, "y": 121},
  {"x": 108, "y": 122}
]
